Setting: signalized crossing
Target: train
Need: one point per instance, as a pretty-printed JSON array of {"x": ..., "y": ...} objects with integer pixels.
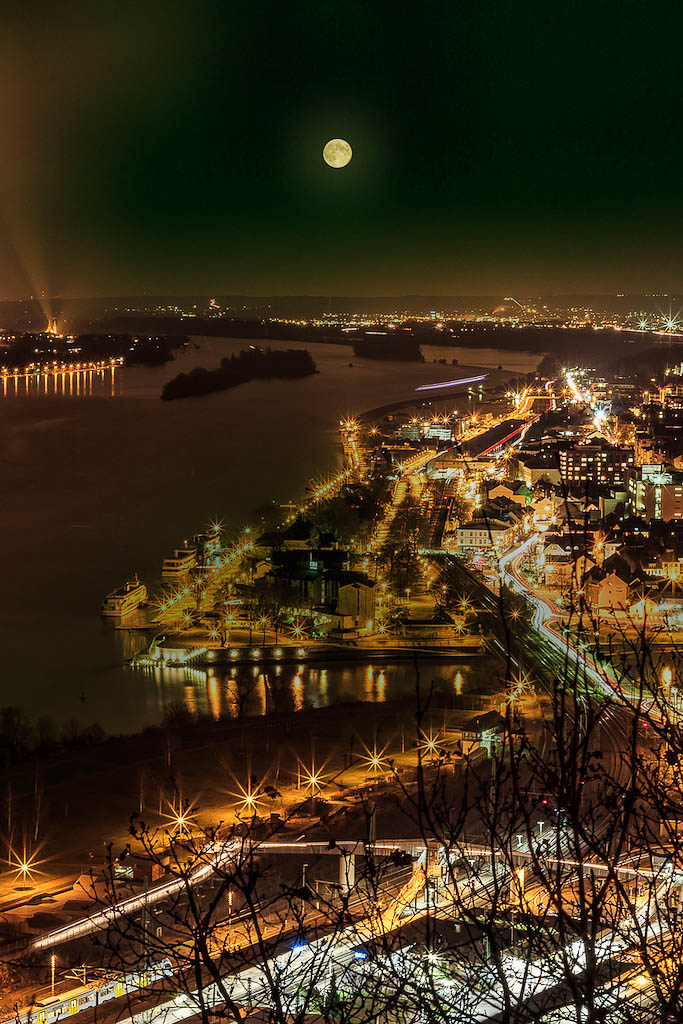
[{"x": 54, "y": 1008}]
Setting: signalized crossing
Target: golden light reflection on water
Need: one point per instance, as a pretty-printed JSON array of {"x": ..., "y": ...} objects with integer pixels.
[
  {"x": 262, "y": 693},
  {"x": 231, "y": 696},
  {"x": 297, "y": 692},
  {"x": 214, "y": 697},
  {"x": 55, "y": 381},
  {"x": 369, "y": 678},
  {"x": 191, "y": 699},
  {"x": 253, "y": 690}
]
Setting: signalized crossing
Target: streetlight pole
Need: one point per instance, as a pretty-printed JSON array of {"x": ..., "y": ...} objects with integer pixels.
[{"x": 303, "y": 886}]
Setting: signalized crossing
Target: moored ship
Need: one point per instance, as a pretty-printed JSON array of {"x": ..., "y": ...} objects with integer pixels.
[
  {"x": 180, "y": 563},
  {"x": 125, "y": 599}
]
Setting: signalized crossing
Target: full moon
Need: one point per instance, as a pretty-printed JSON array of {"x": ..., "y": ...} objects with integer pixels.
[{"x": 337, "y": 153}]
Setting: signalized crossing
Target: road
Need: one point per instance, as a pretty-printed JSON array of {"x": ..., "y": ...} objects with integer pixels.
[
  {"x": 300, "y": 968},
  {"x": 545, "y": 612}
]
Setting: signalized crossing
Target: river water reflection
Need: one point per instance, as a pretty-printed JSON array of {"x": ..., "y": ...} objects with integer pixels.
[
  {"x": 98, "y": 485},
  {"x": 260, "y": 689}
]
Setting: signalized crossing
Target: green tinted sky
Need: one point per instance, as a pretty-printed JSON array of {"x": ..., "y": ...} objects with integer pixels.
[{"x": 498, "y": 147}]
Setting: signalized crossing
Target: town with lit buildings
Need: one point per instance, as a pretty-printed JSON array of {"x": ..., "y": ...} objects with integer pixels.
[
  {"x": 500, "y": 533},
  {"x": 579, "y": 478},
  {"x": 341, "y": 507}
]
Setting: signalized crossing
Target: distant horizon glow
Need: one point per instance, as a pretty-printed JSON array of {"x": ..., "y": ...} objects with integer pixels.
[{"x": 452, "y": 383}]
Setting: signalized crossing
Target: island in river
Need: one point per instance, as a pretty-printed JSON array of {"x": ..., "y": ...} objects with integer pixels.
[{"x": 251, "y": 364}]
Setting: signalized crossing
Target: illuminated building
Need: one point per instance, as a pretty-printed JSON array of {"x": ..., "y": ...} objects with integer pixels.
[
  {"x": 484, "y": 535},
  {"x": 656, "y": 493},
  {"x": 595, "y": 464}
]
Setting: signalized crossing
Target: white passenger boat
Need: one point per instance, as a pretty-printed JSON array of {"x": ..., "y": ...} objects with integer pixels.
[
  {"x": 125, "y": 599},
  {"x": 180, "y": 563}
]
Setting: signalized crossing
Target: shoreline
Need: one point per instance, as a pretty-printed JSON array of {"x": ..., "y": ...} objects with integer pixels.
[
  {"x": 108, "y": 516},
  {"x": 136, "y": 766},
  {"x": 273, "y": 653},
  {"x": 208, "y": 761}
]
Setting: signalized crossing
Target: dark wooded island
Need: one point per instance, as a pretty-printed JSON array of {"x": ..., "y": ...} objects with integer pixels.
[{"x": 251, "y": 364}]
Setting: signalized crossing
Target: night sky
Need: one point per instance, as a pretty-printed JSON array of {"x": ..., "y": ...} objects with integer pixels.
[{"x": 499, "y": 147}]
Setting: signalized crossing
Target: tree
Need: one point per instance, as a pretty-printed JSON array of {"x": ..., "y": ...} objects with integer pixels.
[
  {"x": 529, "y": 882},
  {"x": 522, "y": 864}
]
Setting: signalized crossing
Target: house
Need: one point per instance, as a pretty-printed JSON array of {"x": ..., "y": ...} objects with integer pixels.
[
  {"x": 344, "y": 597},
  {"x": 605, "y": 591},
  {"x": 503, "y": 509},
  {"x": 309, "y": 558},
  {"x": 484, "y": 535},
  {"x": 534, "y": 468},
  {"x": 515, "y": 491},
  {"x": 300, "y": 535},
  {"x": 648, "y": 609},
  {"x": 351, "y": 595},
  {"x": 564, "y": 560},
  {"x": 304, "y": 582},
  {"x": 545, "y": 508},
  {"x": 491, "y": 729},
  {"x": 567, "y": 572},
  {"x": 434, "y": 628}
]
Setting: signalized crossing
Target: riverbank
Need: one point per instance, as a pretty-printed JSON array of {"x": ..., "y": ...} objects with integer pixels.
[
  {"x": 207, "y": 765},
  {"x": 95, "y": 488}
]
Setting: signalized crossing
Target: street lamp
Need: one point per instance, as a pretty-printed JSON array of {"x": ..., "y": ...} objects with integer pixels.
[
  {"x": 374, "y": 760},
  {"x": 181, "y": 816}
]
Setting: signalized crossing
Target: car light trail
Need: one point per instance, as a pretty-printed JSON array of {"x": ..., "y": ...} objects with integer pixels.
[
  {"x": 518, "y": 432},
  {"x": 544, "y": 612},
  {"x": 452, "y": 383}
]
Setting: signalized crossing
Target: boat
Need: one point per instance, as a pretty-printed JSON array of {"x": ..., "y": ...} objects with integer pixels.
[
  {"x": 180, "y": 563},
  {"x": 126, "y": 599}
]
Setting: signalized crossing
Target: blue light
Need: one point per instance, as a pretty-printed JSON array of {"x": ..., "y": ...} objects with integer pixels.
[
  {"x": 298, "y": 946},
  {"x": 360, "y": 955}
]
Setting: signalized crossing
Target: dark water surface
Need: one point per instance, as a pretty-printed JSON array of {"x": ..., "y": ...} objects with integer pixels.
[{"x": 103, "y": 480}]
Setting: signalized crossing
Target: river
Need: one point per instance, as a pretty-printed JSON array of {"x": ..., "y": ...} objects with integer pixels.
[{"x": 104, "y": 479}]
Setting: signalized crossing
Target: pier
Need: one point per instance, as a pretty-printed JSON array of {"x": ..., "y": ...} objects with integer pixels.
[{"x": 174, "y": 654}]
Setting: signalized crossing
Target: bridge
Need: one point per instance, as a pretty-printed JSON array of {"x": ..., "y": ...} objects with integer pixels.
[{"x": 216, "y": 857}]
